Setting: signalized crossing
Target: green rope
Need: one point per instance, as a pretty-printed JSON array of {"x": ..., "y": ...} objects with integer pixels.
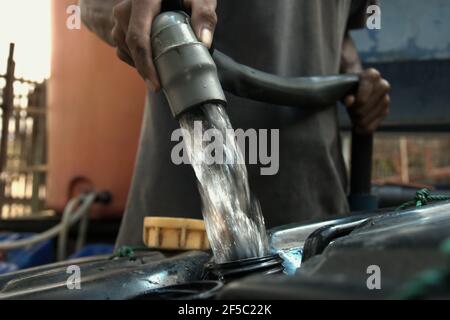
[
  {"x": 128, "y": 252},
  {"x": 422, "y": 198}
]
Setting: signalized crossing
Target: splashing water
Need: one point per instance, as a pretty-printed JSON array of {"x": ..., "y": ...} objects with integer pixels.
[{"x": 233, "y": 218}]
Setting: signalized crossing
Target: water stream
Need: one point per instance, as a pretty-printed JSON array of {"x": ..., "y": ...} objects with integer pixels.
[{"x": 233, "y": 218}]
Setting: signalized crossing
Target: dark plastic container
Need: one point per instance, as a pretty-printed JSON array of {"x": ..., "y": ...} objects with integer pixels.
[
  {"x": 201, "y": 290},
  {"x": 238, "y": 269}
]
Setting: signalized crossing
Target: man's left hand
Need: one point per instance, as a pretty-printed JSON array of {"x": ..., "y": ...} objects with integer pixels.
[{"x": 370, "y": 105}]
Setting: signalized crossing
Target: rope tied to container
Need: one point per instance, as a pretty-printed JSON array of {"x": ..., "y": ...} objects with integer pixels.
[
  {"x": 128, "y": 252},
  {"x": 422, "y": 198}
]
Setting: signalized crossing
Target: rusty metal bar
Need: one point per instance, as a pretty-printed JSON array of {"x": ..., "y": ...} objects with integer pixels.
[{"x": 7, "y": 107}]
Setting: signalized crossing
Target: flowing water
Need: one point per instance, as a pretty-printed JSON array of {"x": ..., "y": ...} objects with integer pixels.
[{"x": 233, "y": 218}]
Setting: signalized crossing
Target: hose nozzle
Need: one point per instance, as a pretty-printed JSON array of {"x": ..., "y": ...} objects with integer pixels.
[{"x": 186, "y": 70}]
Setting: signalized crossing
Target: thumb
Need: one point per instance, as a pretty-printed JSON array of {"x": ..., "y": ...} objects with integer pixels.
[
  {"x": 204, "y": 20},
  {"x": 349, "y": 101}
]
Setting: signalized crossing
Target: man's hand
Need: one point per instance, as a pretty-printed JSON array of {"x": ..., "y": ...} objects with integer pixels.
[
  {"x": 370, "y": 105},
  {"x": 132, "y": 28}
]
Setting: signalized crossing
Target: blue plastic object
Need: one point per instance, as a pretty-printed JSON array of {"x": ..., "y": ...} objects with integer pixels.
[
  {"x": 6, "y": 267},
  {"x": 36, "y": 255},
  {"x": 93, "y": 250}
]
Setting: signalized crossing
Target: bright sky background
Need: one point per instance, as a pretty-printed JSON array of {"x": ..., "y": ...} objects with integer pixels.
[{"x": 28, "y": 24}]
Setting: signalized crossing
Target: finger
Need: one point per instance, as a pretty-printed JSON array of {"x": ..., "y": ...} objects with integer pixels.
[
  {"x": 125, "y": 57},
  {"x": 138, "y": 38},
  {"x": 349, "y": 101},
  {"x": 366, "y": 87},
  {"x": 380, "y": 89},
  {"x": 372, "y": 127},
  {"x": 378, "y": 114},
  {"x": 204, "y": 19},
  {"x": 121, "y": 14},
  {"x": 379, "y": 101},
  {"x": 121, "y": 17},
  {"x": 119, "y": 38}
]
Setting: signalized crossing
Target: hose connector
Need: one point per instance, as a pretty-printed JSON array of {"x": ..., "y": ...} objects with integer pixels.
[{"x": 186, "y": 70}]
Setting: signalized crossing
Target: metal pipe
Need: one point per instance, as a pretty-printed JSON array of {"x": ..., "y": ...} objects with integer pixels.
[{"x": 186, "y": 70}]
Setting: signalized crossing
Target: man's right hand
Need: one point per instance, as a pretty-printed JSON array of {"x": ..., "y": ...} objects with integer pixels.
[{"x": 132, "y": 28}]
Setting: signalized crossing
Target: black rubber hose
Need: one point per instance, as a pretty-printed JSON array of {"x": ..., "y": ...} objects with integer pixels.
[
  {"x": 361, "y": 167},
  {"x": 305, "y": 92}
]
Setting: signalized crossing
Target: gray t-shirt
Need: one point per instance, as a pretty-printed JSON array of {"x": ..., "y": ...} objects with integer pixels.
[{"x": 284, "y": 37}]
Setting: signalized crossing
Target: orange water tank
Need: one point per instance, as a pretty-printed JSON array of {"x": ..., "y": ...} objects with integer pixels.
[{"x": 95, "y": 112}]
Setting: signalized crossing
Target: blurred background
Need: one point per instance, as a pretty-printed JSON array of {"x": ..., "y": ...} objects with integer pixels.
[{"x": 70, "y": 123}]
